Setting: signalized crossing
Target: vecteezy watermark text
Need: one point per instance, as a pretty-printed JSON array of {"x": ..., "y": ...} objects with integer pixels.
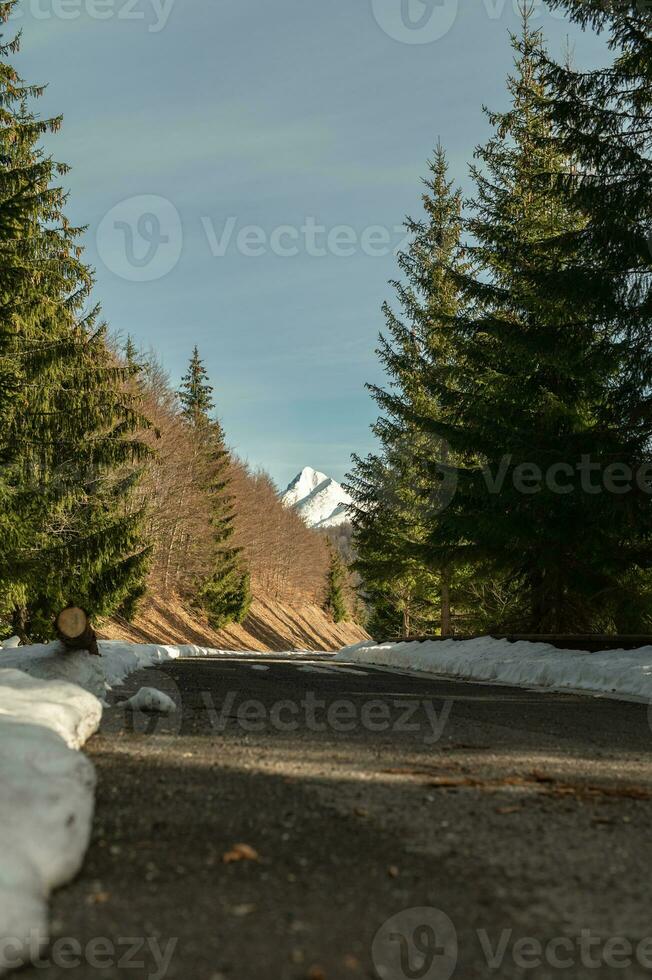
[
  {"x": 308, "y": 238},
  {"x": 155, "y": 14},
  {"x": 423, "y": 943},
  {"x": 150, "y": 956},
  {"x": 400, "y": 715},
  {"x": 588, "y": 475},
  {"x": 141, "y": 238}
]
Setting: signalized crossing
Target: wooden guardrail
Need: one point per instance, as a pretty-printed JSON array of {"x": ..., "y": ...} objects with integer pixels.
[{"x": 592, "y": 642}]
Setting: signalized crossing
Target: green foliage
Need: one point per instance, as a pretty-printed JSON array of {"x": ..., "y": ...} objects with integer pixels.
[
  {"x": 525, "y": 351},
  {"x": 550, "y": 368},
  {"x": 133, "y": 358},
  {"x": 226, "y": 595},
  {"x": 70, "y": 454},
  {"x": 523, "y": 346},
  {"x": 521, "y": 386},
  {"x": 336, "y": 604},
  {"x": 400, "y": 492},
  {"x": 196, "y": 394},
  {"x": 603, "y": 122}
]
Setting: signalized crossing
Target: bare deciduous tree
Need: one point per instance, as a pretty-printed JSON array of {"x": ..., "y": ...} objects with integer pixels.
[{"x": 286, "y": 560}]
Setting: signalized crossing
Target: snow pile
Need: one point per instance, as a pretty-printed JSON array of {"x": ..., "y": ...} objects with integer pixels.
[
  {"x": 623, "y": 673},
  {"x": 151, "y": 701},
  {"x": 46, "y": 805},
  {"x": 318, "y": 499},
  {"x": 95, "y": 674},
  {"x": 50, "y": 704}
]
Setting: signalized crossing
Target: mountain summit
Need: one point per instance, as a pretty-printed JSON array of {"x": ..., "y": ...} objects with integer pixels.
[{"x": 318, "y": 499}]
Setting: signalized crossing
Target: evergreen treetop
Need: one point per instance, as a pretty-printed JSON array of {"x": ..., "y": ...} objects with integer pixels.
[{"x": 196, "y": 393}]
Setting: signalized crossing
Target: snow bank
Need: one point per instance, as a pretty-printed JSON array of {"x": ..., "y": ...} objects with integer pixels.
[
  {"x": 120, "y": 659},
  {"x": 116, "y": 662},
  {"x": 620, "y": 673},
  {"x": 149, "y": 700},
  {"x": 46, "y": 805},
  {"x": 50, "y": 704}
]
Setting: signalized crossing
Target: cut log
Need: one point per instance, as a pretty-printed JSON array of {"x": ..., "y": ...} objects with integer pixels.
[
  {"x": 75, "y": 631},
  {"x": 72, "y": 622}
]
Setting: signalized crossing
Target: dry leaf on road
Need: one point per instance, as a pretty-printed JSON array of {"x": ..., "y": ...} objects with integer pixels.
[{"x": 240, "y": 852}]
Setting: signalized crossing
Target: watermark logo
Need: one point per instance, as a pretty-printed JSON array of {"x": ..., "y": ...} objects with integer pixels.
[
  {"x": 587, "y": 475},
  {"x": 311, "y": 238},
  {"x": 416, "y": 944},
  {"x": 422, "y": 944},
  {"x": 141, "y": 238},
  {"x": 415, "y": 21},
  {"x": 155, "y": 14},
  {"x": 149, "y": 955},
  {"x": 426, "y": 21},
  {"x": 424, "y": 720}
]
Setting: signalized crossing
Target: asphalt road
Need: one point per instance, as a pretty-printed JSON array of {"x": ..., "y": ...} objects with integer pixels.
[{"x": 301, "y": 820}]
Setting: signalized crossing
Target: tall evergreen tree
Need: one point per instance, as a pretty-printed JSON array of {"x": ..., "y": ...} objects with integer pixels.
[
  {"x": 196, "y": 394},
  {"x": 400, "y": 491},
  {"x": 603, "y": 122},
  {"x": 532, "y": 399},
  {"x": 225, "y": 595},
  {"x": 132, "y": 357},
  {"x": 516, "y": 395},
  {"x": 336, "y": 604},
  {"x": 70, "y": 452}
]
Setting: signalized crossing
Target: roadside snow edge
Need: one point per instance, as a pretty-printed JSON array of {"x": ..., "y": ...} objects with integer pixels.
[{"x": 619, "y": 673}]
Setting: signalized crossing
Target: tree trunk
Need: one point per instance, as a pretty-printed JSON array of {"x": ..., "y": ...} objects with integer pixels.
[
  {"x": 19, "y": 623},
  {"x": 406, "y": 618},
  {"x": 446, "y": 622},
  {"x": 75, "y": 631}
]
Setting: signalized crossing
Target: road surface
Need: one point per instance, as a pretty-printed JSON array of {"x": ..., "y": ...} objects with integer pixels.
[{"x": 298, "y": 819}]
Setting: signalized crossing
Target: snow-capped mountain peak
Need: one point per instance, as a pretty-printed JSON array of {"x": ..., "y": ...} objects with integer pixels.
[
  {"x": 318, "y": 499},
  {"x": 303, "y": 485}
]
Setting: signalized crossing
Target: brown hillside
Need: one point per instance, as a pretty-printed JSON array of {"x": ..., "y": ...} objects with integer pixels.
[{"x": 271, "y": 626}]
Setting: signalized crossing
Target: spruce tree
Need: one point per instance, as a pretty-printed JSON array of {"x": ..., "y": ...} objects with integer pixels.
[
  {"x": 225, "y": 595},
  {"x": 513, "y": 398},
  {"x": 404, "y": 594},
  {"x": 196, "y": 394},
  {"x": 400, "y": 492},
  {"x": 519, "y": 385},
  {"x": 336, "y": 605},
  {"x": 545, "y": 361},
  {"x": 603, "y": 122},
  {"x": 70, "y": 451},
  {"x": 132, "y": 357}
]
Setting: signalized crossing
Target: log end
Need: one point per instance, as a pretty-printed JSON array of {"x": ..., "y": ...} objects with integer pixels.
[
  {"x": 72, "y": 623},
  {"x": 75, "y": 631}
]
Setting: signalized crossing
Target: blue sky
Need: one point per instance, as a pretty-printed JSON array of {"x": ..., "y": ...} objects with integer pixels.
[{"x": 208, "y": 137}]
